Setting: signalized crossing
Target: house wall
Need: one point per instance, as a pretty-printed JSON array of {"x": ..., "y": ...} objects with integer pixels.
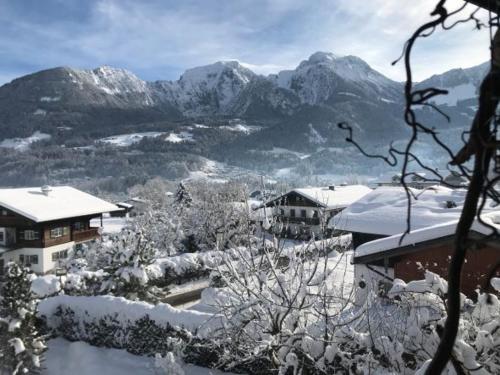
[
  {"x": 367, "y": 280},
  {"x": 436, "y": 258},
  {"x": 45, "y": 263}
]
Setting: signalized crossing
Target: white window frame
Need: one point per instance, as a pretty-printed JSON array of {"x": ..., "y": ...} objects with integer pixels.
[
  {"x": 56, "y": 232},
  {"x": 31, "y": 235}
]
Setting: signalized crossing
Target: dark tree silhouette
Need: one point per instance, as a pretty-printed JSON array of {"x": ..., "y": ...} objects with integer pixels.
[{"x": 481, "y": 146}]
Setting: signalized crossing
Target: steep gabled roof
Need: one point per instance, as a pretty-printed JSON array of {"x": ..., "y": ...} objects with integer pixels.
[
  {"x": 60, "y": 202},
  {"x": 338, "y": 197}
]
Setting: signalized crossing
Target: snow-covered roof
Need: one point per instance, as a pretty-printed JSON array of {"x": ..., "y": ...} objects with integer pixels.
[
  {"x": 337, "y": 197},
  {"x": 384, "y": 210},
  {"x": 125, "y": 205},
  {"x": 426, "y": 234},
  {"x": 59, "y": 203}
]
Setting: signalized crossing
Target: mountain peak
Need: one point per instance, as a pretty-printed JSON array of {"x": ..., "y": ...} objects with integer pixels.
[{"x": 322, "y": 57}]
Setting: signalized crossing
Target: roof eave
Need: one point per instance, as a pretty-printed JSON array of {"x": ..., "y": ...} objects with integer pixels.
[{"x": 407, "y": 249}]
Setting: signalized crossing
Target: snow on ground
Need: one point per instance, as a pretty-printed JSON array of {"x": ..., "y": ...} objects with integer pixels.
[
  {"x": 180, "y": 137},
  {"x": 79, "y": 358},
  {"x": 283, "y": 151},
  {"x": 110, "y": 225},
  {"x": 23, "y": 144},
  {"x": 201, "y": 126},
  {"x": 124, "y": 140},
  {"x": 215, "y": 172},
  {"x": 40, "y": 112},
  {"x": 49, "y": 99},
  {"x": 242, "y": 128},
  {"x": 314, "y": 136},
  {"x": 460, "y": 92}
]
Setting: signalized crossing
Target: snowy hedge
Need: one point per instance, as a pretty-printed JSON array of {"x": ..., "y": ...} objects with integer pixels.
[{"x": 138, "y": 327}]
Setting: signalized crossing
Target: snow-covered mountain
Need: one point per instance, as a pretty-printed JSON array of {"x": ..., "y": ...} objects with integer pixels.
[
  {"x": 324, "y": 89},
  {"x": 324, "y": 75},
  {"x": 462, "y": 84}
]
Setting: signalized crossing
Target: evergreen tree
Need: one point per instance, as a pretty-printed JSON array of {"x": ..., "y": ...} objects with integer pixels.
[
  {"x": 182, "y": 197},
  {"x": 21, "y": 346}
]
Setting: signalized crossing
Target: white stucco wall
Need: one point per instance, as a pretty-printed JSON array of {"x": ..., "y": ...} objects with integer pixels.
[
  {"x": 371, "y": 280},
  {"x": 45, "y": 263}
]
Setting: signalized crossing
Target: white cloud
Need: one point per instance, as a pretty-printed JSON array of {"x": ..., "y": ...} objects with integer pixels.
[{"x": 163, "y": 36}]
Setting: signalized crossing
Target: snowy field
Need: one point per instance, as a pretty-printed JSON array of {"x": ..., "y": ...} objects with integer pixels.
[
  {"x": 182, "y": 136},
  {"x": 124, "y": 140},
  {"x": 23, "y": 144},
  {"x": 78, "y": 358}
]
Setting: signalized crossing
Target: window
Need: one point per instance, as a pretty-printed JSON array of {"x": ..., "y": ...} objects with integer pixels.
[
  {"x": 29, "y": 235},
  {"x": 63, "y": 254},
  {"x": 59, "y": 232},
  {"x": 282, "y": 212},
  {"x": 2, "y": 238},
  {"x": 315, "y": 213},
  {"x": 303, "y": 213},
  {"x": 292, "y": 212},
  {"x": 78, "y": 225},
  {"x": 28, "y": 260}
]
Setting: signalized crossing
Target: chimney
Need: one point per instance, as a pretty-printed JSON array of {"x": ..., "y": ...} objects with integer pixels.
[
  {"x": 331, "y": 187},
  {"x": 46, "y": 189}
]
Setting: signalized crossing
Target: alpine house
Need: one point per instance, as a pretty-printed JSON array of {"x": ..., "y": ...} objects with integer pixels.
[
  {"x": 39, "y": 227},
  {"x": 304, "y": 212}
]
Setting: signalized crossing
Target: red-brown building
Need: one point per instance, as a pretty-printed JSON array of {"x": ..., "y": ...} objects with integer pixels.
[
  {"x": 430, "y": 249},
  {"x": 378, "y": 220},
  {"x": 39, "y": 227}
]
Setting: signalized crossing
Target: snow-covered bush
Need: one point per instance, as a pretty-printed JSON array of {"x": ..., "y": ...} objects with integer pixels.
[
  {"x": 169, "y": 364},
  {"x": 138, "y": 327},
  {"x": 21, "y": 345},
  {"x": 277, "y": 306},
  {"x": 129, "y": 256}
]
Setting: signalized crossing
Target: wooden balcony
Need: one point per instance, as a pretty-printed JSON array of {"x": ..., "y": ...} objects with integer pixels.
[
  {"x": 299, "y": 220},
  {"x": 86, "y": 235}
]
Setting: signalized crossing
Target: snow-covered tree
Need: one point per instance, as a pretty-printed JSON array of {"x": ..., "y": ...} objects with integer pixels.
[
  {"x": 277, "y": 305},
  {"x": 21, "y": 345},
  {"x": 183, "y": 198},
  {"x": 161, "y": 227},
  {"x": 128, "y": 255}
]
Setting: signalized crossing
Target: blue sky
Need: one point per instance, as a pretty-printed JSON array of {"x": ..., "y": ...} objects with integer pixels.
[{"x": 159, "y": 39}]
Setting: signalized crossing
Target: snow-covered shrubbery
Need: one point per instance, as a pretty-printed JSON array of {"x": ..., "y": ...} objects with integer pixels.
[
  {"x": 138, "y": 327},
  {"x": 295, "y": 318},
  {"x": 277, "y": 305}
]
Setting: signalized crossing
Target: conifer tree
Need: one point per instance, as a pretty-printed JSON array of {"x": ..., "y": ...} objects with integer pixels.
[
  {"x": 182, "y": 197},
  {"x": 21, "y": 345}
]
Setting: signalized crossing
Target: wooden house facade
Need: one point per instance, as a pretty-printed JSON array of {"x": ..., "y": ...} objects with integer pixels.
[{"x": 39, "y": 228}]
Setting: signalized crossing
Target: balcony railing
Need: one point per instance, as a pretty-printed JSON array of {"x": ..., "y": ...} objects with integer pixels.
[
  {"x": 85, "y": 235},
  {"x": 298, "y": 220}
]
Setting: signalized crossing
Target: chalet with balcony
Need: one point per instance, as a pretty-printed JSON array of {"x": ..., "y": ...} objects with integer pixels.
[
  {"x": 304, "y": 212},
  {"x": 39, "y": 227}
]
